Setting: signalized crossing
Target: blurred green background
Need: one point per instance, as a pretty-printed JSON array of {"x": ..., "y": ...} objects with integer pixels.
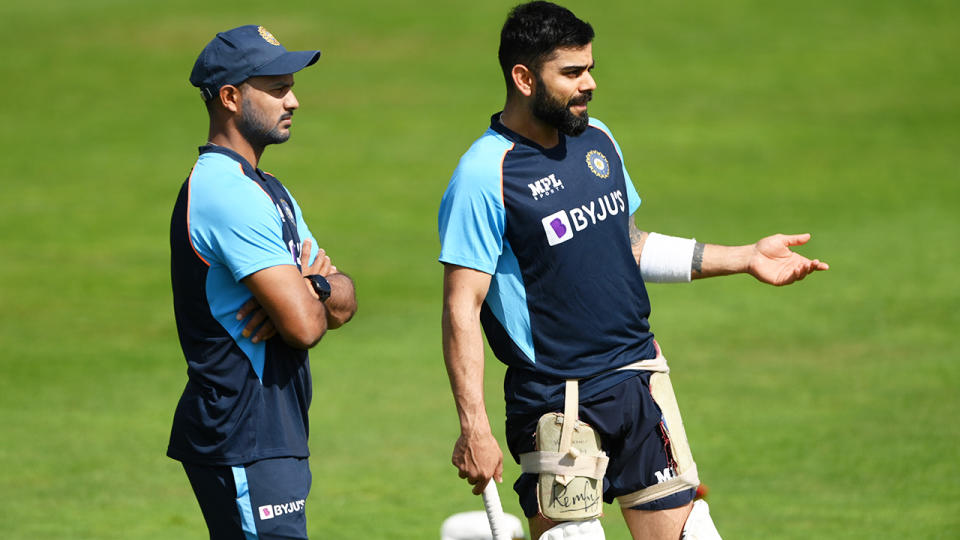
[{"x": 827, "y": 409}]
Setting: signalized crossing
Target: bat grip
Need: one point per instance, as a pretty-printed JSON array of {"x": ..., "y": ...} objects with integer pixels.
[{"x": 491, "y": 503}]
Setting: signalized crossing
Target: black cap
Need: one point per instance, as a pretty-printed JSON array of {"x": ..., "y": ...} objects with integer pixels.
[{"x": 248, "y": 51}]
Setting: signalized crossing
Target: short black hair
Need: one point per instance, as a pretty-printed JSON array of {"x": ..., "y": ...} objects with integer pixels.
[{"x": 534, "y": 30}]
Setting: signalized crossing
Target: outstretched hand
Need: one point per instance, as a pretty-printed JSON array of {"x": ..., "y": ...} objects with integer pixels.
[{"x": 775, "y": 263}]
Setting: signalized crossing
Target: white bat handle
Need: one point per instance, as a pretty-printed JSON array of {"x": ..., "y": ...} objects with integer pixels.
[{"x": 491, "y": 503}]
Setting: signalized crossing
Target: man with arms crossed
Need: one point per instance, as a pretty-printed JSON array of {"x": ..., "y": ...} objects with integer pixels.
[
  {"x": 540, "y": 249},
  {"x": 252, "y": 293}
]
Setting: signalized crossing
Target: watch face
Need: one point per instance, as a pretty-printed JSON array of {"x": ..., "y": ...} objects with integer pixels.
[{"x": 321, "y": 286}]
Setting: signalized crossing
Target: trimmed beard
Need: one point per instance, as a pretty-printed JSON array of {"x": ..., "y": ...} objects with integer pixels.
[
  {"x": 553, "y": 112},
  {"x": 255, "y": 127}
]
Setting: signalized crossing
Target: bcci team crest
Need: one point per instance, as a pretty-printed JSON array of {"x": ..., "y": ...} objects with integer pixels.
[
  {"x": 267, "y": 36},
  {"x": 598, "y": 163}
]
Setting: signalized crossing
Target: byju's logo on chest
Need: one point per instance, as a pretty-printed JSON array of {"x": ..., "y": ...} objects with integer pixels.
[
  {"x": 561, "y": 225},
  {"x": 545, "y": 186},
  {"x": 557, "y": 226}
]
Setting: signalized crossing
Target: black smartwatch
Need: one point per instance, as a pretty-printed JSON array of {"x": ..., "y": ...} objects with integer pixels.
[{"x": 320, "y": 286}]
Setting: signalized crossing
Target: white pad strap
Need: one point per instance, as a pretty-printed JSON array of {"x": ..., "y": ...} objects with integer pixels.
[
  {"x": 666, "y": 259},
  {"x": 571, "y": 411},
  {"x": 657, "y": 365},
  {"x": 561, "y": 464},
  {"x": 686, "y": 480}
]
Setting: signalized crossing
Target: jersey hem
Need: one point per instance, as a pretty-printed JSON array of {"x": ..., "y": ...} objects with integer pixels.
[
  {"x": 472, "y": 264},
  {"x": 231, "y": 461}
]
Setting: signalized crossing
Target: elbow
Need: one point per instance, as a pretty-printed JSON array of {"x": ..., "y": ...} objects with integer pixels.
[
  {"x": 339, "y": 317},
  {"x": 304, "y": 336},
  {"x": 336, "y": 322}
]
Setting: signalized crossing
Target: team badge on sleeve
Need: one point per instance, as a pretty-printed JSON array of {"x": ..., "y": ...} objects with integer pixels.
[{"x": 598, "y": 163}]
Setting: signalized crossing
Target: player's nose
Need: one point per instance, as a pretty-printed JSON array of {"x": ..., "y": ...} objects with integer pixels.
[
  {"x": 588, "y": 83},
  {"x": 290, "y": 101}
]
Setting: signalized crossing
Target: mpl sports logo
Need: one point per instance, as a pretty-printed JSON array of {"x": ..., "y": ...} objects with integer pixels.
[
  {"x": 270, "y": 511},
  {"x": 547, "y": 185},
  {"x": 561, "y": 225}
]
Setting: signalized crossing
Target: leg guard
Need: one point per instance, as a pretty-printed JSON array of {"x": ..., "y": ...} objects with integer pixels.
[
  {"x": 583, "y": 530},
  {"x": 570, "y": 464},
  {"x": 699, "y": 525},
  {"x": 683, "y": 473}
]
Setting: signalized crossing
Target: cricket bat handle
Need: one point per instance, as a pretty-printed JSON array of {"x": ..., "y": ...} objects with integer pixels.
[{"x": 491, "y": 503}]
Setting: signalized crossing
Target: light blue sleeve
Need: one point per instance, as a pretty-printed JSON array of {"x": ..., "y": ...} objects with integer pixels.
[
  {"x": 472, "y": 219},
  {"x": 233, "y": 222},
  {"x": 633, "y": 198}
]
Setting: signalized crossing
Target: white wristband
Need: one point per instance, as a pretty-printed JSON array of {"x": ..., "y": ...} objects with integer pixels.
[{"x": 666, "y": 259}]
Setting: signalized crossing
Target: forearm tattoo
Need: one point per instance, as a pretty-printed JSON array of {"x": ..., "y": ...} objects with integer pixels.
[
  {"x": 635, "y": 234},
  {"x": 697, "y": 264}
]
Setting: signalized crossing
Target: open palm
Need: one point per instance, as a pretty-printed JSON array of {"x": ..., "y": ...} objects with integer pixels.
[{"x": 775, "y": 263}]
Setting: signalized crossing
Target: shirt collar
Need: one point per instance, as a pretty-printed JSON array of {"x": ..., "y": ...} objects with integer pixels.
[{"x": 248, "y": 169}]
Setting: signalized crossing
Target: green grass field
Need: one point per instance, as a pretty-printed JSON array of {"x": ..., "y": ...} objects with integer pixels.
[{"x": 824, "y": 410}]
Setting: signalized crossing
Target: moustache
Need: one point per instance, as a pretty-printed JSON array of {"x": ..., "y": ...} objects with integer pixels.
[{"x": 582, "y": 99}]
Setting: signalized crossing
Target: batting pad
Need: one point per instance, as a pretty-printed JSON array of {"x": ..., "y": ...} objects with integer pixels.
[
  {"x": 686, "y": 470},
  {"x": 699, "y": 525},
  {"x": 583, "y": 530},
  {"x": 569, "y": 462}
]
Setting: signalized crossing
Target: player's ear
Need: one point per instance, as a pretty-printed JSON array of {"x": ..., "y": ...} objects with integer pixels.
[
  {"x": 230, "y": 97},
  {"x": 523, "y": 79}
]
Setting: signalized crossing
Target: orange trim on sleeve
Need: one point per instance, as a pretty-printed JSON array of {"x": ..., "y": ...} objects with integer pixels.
[
  {"x": 613, "y": 142},
  {"x": 189, "y": 237}
]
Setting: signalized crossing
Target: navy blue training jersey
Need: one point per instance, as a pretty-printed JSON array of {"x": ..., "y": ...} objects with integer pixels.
[
  {"x": 550, "y": 226},
  {"x": 243, "y": 401}
]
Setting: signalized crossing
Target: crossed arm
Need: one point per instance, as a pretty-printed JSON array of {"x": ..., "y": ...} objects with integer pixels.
[{"x": 284, "y": 302}]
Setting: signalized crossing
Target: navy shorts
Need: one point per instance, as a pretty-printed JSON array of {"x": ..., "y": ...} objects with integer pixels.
[
  {"x": 259, "y": 501},
  {"x": 629, "y": 424}
]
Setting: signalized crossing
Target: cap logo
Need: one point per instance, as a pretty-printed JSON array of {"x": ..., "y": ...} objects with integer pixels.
[{"x": 267, "y": 36}]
